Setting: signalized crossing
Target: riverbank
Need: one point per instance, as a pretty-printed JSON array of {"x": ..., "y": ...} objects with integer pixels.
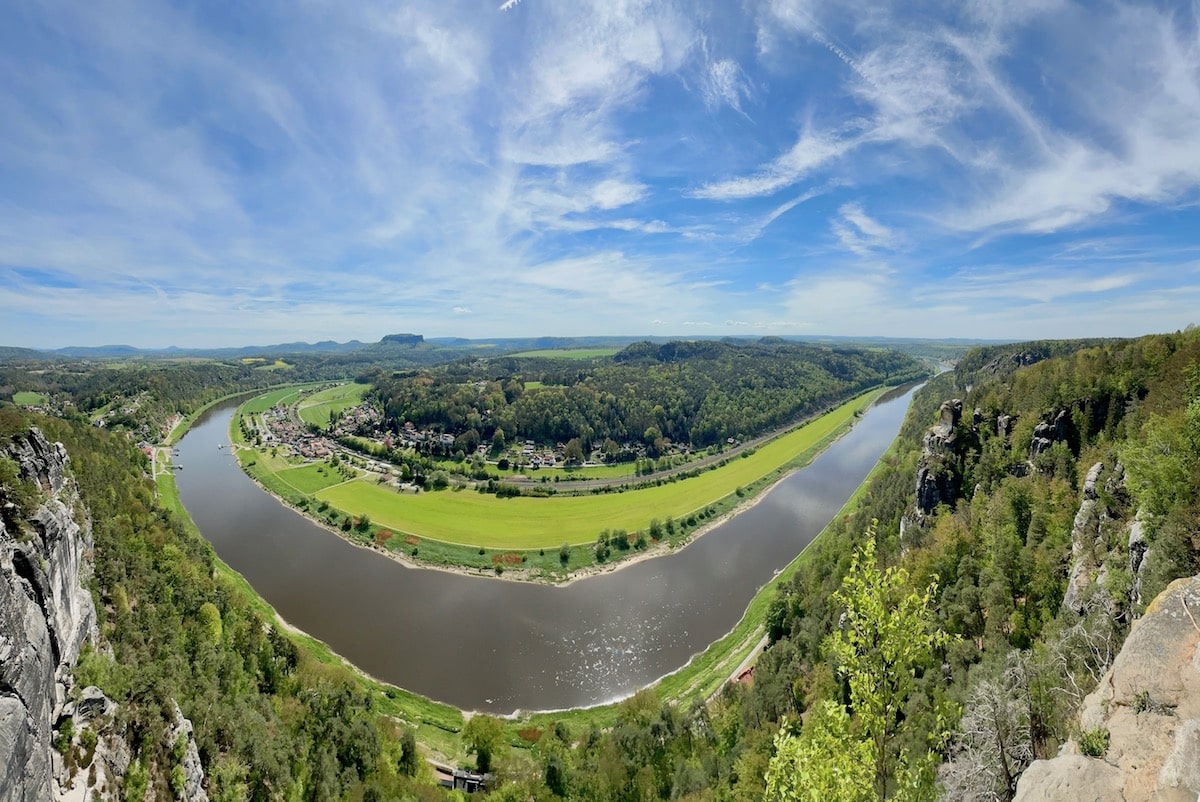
[
  {"x": 729, "y": 495},
  {"x": 435, "y": 724},
  {"x": 703, "y": 676},
  {"x": 700, "y": 677}
]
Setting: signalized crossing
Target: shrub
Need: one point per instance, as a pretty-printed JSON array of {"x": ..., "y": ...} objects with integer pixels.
[{"x": 1094, "y": 743}]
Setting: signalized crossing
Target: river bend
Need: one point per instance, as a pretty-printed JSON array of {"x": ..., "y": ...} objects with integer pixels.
[{"x": 485, "y": 644}]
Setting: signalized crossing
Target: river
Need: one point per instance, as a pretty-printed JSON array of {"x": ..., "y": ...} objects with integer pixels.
[{"x": 498, "y": 646}]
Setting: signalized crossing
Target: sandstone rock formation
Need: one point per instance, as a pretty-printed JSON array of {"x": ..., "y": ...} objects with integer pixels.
[
  {"x": 1149, "y": 702},
  {"x": 1086, "y": 544},
  {"x": 937, "y": 470},
  {"x": 46, "y": 616},
  {"x": 189, "y": 762}
]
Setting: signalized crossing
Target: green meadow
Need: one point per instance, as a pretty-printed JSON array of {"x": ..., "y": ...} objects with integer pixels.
[
  {"x": 315, "y": 409},
  {"x": 283, "y": 395},
  {"x": 310, "y": 479},
  {"x": 28, "y": 398},
  {"x": 474, "y": 519}
]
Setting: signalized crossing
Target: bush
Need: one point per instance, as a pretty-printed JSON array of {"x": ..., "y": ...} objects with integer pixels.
[{"x": 1094, "y": 743}]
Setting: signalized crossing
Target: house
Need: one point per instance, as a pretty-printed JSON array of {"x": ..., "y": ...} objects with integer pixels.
[
  {"x": 461, "y": 780},
  {"x": 470, "y": 782}
]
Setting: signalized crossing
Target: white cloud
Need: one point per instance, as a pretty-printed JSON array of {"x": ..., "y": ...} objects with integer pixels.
[
  {"x": 859, "y": 233},
  {"x": 725, "y": 84},
  {"x": 812, "y": 151}
]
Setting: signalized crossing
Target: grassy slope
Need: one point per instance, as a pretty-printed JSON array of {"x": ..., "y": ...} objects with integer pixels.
[
  {"x": 316, "y": 408},
  {"x": 471, "y": 518},
  {"x": 28, "y": 398}
]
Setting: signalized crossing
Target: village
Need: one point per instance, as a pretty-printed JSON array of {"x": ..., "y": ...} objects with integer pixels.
[{"x": 363, "y": 427}]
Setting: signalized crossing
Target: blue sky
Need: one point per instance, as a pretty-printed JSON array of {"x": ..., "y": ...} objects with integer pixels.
[{"x": 209, "y": 174}]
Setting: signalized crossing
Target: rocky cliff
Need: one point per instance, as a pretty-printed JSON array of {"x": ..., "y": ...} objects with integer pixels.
[
  {"x": 1143, "y": 721},
  {"x": 46, "y": 614},
  {"x": 939, "y": 469}
]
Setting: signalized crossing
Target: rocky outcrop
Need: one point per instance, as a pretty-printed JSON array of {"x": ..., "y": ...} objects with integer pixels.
[
  {"x": 1005, "y": 365},
  {"x": 1149, "y": 703},
  {"x": 1004, "y": 425},
  {"x": 1086, "y": 545},
  {"x": 91, "y": 770},
  {"x": 938, "y": 475},
  {"x": 1139, "y": 551},
  {"x": 1047, "y": 433},
  {"x": 180, "y": 739},
  {"x": 46, "y": 615}
]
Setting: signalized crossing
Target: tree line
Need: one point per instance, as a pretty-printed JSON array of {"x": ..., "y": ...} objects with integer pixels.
[{"x": 696, "y": 394}]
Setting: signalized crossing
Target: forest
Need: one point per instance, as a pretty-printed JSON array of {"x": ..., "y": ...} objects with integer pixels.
[
  {"x": 694, "y": 393},
  {"x": 984, "y": 667}
]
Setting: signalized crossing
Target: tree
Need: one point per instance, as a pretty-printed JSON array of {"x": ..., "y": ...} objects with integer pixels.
[
  {"x": 886, "y": 639},
  {"x": 484, "y": 735},
  {"x": 995, "y": 741},
  {"x": 573, "y": 452},
  {"x": 823, "y": 764},
  {"x": 410, "y": 758}
]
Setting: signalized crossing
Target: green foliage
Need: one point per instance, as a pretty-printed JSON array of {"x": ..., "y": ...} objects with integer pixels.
[
  {"x": 64, "y": 735},
  {"x": 824, "y": 763},
  {"x": 485, "y": 736},
  {"x": 137, "y": 780},
  {"x": 697, "y": 393},
  {"x": 887, "y": 639},
  {"x": 1094, "y": 742},
  {"x": 23, "y": 495},
  {"x": 178, "y": 782},
  {"x": 210, "y": 620},
  {"x": 410, "y": 756}
]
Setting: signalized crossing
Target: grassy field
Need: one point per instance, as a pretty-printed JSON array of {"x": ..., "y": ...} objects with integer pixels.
[
  {"x": 310, "y": 479},
  {"x": 470, "y": 518},
  {"x": 316, "y": 408},
  {"x": 28, "y": 398},
  {"x": 568, "y": 353},
  {"x": 283, "y": 395},
  {"x": 278, "y": 364}
]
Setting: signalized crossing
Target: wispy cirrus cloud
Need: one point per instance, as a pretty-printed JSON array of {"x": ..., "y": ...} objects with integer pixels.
[{"x": 767, "y": 163}]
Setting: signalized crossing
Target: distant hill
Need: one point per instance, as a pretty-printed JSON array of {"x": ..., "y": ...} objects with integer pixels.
[
  {"x": 10, "y": 353},
  {"x": 950, "y": 348}
]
